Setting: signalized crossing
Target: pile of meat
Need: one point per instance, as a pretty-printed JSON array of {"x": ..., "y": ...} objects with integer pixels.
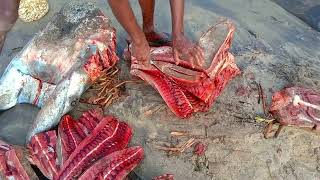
[
  {"x": 93, "y": 147},
  {"x": 184, "y": 88}
]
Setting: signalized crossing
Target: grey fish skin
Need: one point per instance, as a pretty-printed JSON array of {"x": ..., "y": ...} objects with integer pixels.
[
  {"x": 55, "y": 68},
  {"x": 66, "y": 94}
]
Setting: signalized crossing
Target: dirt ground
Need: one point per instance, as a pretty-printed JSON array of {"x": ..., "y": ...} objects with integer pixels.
[{"x": 272, "y": 47}]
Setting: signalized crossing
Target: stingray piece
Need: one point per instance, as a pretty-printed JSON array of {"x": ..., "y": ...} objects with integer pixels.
[
  {"x": 109, "y": 136},
  {"x": 101, "y": 154},
  {"x": 43, "y": 153},
  {"x": 116, "y": 165},
  {"x": 184, "y": 88},
  {"x": 71, "y": 132},
  {"x": 13, "y": 163},
  {"x": 297, "y": 106},
  {"x": 69, "y": 136},
  {"x": 59, "y": 64}
]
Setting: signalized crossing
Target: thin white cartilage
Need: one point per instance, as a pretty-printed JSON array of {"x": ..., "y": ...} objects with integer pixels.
[
  {"x": 304, "y": 118},
  {"x": 297, "y": 100}
]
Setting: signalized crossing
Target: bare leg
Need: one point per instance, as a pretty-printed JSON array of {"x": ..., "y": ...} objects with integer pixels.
[
  {"x": 8, "y": 16},
  {"x": 154, "y": 38},
  {"x": 147, "y": 9}
]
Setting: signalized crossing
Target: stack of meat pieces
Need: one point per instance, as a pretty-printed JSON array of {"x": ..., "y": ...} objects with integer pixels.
[
  {"x": 188, "y": 89},
  {"x": 92, "y": 147},
  {"x": 297, "y": 106}
]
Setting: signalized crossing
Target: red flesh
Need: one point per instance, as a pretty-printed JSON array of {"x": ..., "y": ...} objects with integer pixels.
[
  {"x": 42, "y": 148},
  {"x": 13, "y": 163},
  {"x": 199, "y": 149},
  {"x": 109, "y": 136},
  {"x": 115, "y": 166},
  {"x": 70, "y": 138},
  {"x": 88, "y": 121},
  {"x": 287, "y": 113},
  {"x": 15, "y": 167},
  {"x": 104, "y": 59},
  {"x": 186, "y": 89}
]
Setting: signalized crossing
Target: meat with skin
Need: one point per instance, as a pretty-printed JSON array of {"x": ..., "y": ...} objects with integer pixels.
[
  {"x": 43, "y": 153},
  {"x": 59, "y": 64},
  {"x": 115, "y": 166},
  {"x": 297, "y": 106},
  {"x": 109, "y": 136},
  {"x": 184, "y": 88}
]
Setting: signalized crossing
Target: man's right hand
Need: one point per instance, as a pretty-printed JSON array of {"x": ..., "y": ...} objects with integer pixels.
[{"x": 141, "y": 51}]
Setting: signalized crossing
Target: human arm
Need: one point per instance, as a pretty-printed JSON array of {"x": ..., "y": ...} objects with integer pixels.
[{"x": 182, "y": 46}]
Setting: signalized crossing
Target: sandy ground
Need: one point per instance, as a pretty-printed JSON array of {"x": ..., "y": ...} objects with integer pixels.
[{"x": 272, "y": 47}]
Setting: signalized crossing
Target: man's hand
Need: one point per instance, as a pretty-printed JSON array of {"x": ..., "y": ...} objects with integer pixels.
[
  {"x": 141, "y": 51},
  {"x": 184, "y": 49}
]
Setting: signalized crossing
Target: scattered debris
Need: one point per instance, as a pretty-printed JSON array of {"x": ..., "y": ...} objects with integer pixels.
[
  {"x": 164, "y": 177},
  {"x": 178, "y": 148},
  {"x": 262, "y": 100},
  {"x": 105, "y": 90},
  {"x": 200, "y": 149},
  {"x": 260, "y": 119},
  {"x": 179, "y": 133},
  {"x": 153, "y": 110}
]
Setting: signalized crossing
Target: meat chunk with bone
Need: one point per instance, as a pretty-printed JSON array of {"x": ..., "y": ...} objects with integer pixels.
[
  {"x": 297, "y": 106},
  {"x": 184, "y": 88},
  {"x": 58, "y": 64}
]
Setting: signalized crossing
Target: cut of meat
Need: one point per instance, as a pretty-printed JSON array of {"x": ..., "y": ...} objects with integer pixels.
[
  {"x": 42, "y": 149},
  {"x": 100, "y": 153},
  {"x": 109, "y": 136},
  {"x": 164, "y": 177},
  {"x": 188, "y": 89},
  {"x": 71, "y": 132},
  {"x": 89, "y": 120},
  {"x": 116, "y": 165},
  {"x": 13, "y": 163},
  {"x": 297, "y": 106},
  {"x": 69, "y": 136}
]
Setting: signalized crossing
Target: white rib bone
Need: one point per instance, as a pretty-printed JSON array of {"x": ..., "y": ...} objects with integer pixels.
[{"x": 297, "y": 100}]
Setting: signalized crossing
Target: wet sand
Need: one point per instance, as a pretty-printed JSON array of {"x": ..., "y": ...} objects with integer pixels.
[{"x": 272, "y": 47}]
